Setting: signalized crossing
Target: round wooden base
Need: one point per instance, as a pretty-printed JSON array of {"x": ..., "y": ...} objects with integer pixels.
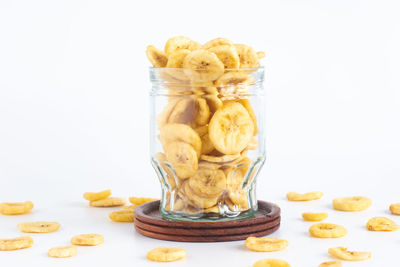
[{"x": 148, "y": 221}]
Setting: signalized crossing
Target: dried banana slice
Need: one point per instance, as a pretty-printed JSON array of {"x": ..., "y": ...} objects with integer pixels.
[
  {"x": 271, "y": 263},
  {"x": 130, "y": 207},
  {"x": 217, "y": 42},
  {"x": 156, "y": 57},
  {"x": 293, "y": 196},
  {"x": 214, "y": 103},
  {"x": 180, "y": 42},
  {"x": 327, "y": 230},
  {"x": 39, "y": 227},
  {"x": 97, "y": 196},
  {"x": 166, "y": 254},
  {"x": 87, "y": 240},
  {"x": 247, "y": 105},
  {"x": 395, "y": 209},
  {"x": 141, "y": 200},
  {"x": 16, "y": 243},
  {"x": 183, "y": 158},
  {"x": 175, "y": 61},
  {"x": 261, "y": 54},
  {"x": 331, "y": 264},
  {"x": 232, "y": 78},
  {"x": 265, "y": 244},
  {"x": 16, "y": 208},
  {"x": 199, "y": 201},
  {"x": 124, "y": 215},
  {"x": 315, "y": 217},
  {"x": 343, "y": 254},
  {"x": 228, "y": 56},
  {"x": 253, "y": 144},
  {"x": 63, "y": 252},
  {"x": 381, "y": 224},
  {"x": 183, "y": 112},
  {"x": 108, "y": 202},
  {"x": 162, "y": 118},
  {"x": 231, "y": 128},
  {"x": 202, "y": 111},
  {"x": 357, "y": 203},
  {"x": 206, "y": 144},
  {"x": 203, "y": 66},
  {"x": 208, "y": 182},
  {"x": 180, "y": 132},
  {"x": 248, "y": 57},
  {"x": 208, "y": 165},
  {"x": 220, "y": 159}
]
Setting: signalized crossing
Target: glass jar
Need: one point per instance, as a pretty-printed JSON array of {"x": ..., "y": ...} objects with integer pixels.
[{"x": 207, "y": 142}]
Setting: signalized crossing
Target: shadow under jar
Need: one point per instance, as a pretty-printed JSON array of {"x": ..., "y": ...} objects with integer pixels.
[{"x": 207, "y": 142}]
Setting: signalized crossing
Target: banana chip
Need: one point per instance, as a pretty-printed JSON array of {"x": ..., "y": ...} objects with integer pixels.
[
  {"x": 395, "y": 209},
  {"x": 293, "y": 196},
  {"x": 63, "y": 252},
  {"x": 343, "y": 254},
  {"x": 39, "y": 227},
  {"x": 261, "y": 54},
  {"x": 228, "y": 56},
  {"x": 141, "y": 200},
  {"x": 203, "y": 66},
  {"x": 315, "y": 217},
  {"x": 156, "y": 57},
  {"x": 357, "y": 203},
  {"x": 199, "y": 201},
  {"x": 265, "y": 244},
  {"x": 87, "y": 240},
  {"x": 17, "y": 208},
  {"x": 331, "y": 264},
  {"x": 166, "y": 254},
  {"x": 327, "y": 230},
  {"x": 108, "y": 202},
  {"x": 124, "y": 215},
  {"x": 220, "y": 159},
  {"x": 16, "y": 243},
  {"x": 180, "y": 42},
  {"x": 381, "y": 224},
  {"x": 271, "y": 263},
  {"x": 208, "y": 182},
  {"x": 183, "y": 158},
  {"x": 217, "y": 42},
  {"x": 248, "y": 57},
  {"x": 180, "y": 132},
  {"x": 97, "y": 196}
]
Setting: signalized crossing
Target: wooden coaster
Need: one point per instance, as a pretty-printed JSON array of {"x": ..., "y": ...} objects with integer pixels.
[{"x": 148, "y": 221}]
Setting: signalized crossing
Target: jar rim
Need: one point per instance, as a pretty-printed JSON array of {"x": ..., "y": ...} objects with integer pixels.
[{"x": 243, "y": 69}]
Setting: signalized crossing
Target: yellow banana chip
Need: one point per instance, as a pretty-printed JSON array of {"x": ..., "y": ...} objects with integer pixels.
[
  {"x": 208, "y": 182},
  {"x": 124, "y": 215},
  {"x": 381, "y": 224},
  {"x": 220, "y": 159},
  {"x": 97, "y": 196},
  {"x": 331, "y": 264},
  {"x": 39, "y": 227},
  {"x": 108, "y": 202},
  {"x": 16, "y": 243},
  {"x": 217, "y": 42},
  {"x": 261, "y": 54},
  {"x": 62, "y": 252},
  {"x": 293, "y": 196},
  {"x": 183, "y": 158},
  {"x": 180, "y": 42},
  {"x": 131, "y": 207},
  {"x": 166, "y": 254},
  {"x": 327, "y": 230},
  {"x": 87, "y": 240},
  {"x": 180, "y": 132},
  {"x": 248, "y": 57},
  {"x": 199, "y": 201},
  {"x": 357, "y": 203},
  {"x": 203, "y": 66},
  {"x": 141, "y": 200},
  {"x": 17, "y": 208},
  {"x": 314, "y": 217},
  {"x": 343, "y": 254},
  {"x": 265, "y": 244},
  {"x": 228, "y": 56},
  {"x": 156, "y": 57},
  {"x": 395, "y": 209},
  {"x": 271, "y": 263}
]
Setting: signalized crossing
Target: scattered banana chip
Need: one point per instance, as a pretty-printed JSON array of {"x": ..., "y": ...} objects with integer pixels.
[
  {"x": 16, "y": 243},
  {"x": 265, "y": 244},
  {"x": 39, "y": 227},
  {"x": 166, "y": 254},
  {"x": 381, "y": 224},
  {"x": 131, "y": 207},
  {"x": 343, "y": 254},
  {"x": 124, "y": 215},
  {"x": 395, "y": 209},
  {"x": 327, "y": 230},
  {"x": 108, "y": 202},
  {"x": 141, "y": 200},
  {"x": 63, "y": 252},
  {"x": 87, "y": 240},
  {"x": 357, "y": 203},
  {"x": 331, "y": 264},
  {"x": 314, "y": 217},
  {"x": 16, "y": 208},
  {"x": 271, "y": 263},
  {"x": 293, "y": 196},
  {"x": 97, "y": 196}
]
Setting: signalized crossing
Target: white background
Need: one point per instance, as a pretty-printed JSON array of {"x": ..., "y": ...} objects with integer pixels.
[{"x": 74, "y": 118}]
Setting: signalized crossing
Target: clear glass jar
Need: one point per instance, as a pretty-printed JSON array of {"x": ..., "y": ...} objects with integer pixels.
[{"x": 207, "y": 142}]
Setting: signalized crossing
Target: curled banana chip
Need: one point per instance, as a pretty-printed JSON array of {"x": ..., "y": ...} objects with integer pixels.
[
  {"x": 217, "y": 42},
  {"x": 395, "y": 209},
  {"x": 248, "y": 57},
  {"x": 314, "y": 216},
  {"x": 124, "y": 215},
  {"x": 331, "y": 264},
  {"x": 156, "y": 57},
  {"x": 327, "y": 230},
  {"x": 183, "y": 158},
  {"x": 39, "y": 227},
  {"x": 141, "y": 200},
  {"x": 381, "y": 224},
  {"x": 271, "y": 263},
  {"x": 357, "y": 203},
  {"x": 108, "y": 202},
  {"x": 16, "y": 243},
  {"x": 166, "y": 254},
  {"x": 16, "y": 208},
  {"x": 293, "y": 196},
  {"x": 97, "y": 196},
  {"x": 228, "y": 56},
  {"x": 343, "y": 254},
  {"x": 180, "y": 42},
  {"x": 265, "y": 244},
  {"x": 87, "y": 240},
  {"x": 63, "y": 252},
  {"x": 203, "y": 66}
]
